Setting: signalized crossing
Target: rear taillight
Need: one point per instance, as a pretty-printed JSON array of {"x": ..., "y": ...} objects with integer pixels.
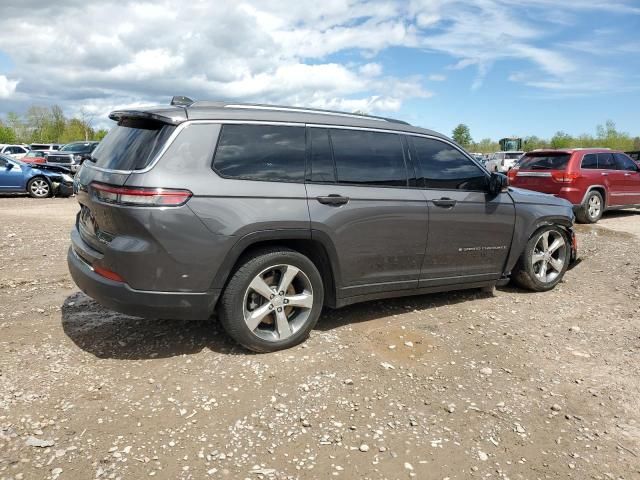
[
  {"x": 512, "y": 174},
  {"x": 139, "y": 196},
  {"x": 564, "y": 177}
]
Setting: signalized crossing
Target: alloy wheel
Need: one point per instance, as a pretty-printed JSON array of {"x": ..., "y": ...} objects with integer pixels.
[
  {"x": 39, "y": 188},
  {"x": 594, "y": 206},
  {"x": 549, "y": 256},
  {"x": 278, "y": 302}
]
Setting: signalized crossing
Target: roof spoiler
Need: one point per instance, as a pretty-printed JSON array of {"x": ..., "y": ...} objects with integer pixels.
[
  {"x": 120, "y": 114},
  {"x": 181, "y": 101}
]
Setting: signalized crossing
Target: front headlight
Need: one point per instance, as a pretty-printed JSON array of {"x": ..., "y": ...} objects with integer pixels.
[
  {"x": 77, "y": 158},
  {"x": 67, "y": 178}
]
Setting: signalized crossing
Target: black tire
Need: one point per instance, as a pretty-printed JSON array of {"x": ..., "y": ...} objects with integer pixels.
[
  {"x": 39, "y": 187},
  {"x": 587, "y": 213},
  {"x": 238, "y": 297},
  {"x": 527, "y": 271}
]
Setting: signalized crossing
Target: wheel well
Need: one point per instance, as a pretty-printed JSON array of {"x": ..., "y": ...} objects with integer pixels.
[
  {"x": 43, "y": 177},
  {"x": 313, "y": 250}
]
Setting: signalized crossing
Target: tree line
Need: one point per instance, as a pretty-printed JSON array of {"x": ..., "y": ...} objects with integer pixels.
[
  {"x": 606, "y": 136},
  {"x": 48, "y": 125}
]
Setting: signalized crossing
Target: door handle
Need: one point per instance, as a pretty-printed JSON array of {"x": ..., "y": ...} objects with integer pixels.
[
  {"x": 333, "y": 199},
  {"x": 627, "y": 174},
  {"x": 444, "y": 202},
  {"x": 604, "y": 174}
]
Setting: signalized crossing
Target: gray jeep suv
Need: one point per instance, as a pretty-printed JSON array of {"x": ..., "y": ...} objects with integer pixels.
[{"x": 266, "y": 214}]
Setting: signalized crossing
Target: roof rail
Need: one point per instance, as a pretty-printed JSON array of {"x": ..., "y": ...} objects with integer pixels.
[
  {"x": 589, "y": 148},
  {"x": 279, "y": 108}
]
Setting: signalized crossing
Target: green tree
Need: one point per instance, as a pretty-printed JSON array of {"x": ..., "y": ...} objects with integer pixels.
[
  {"x": 100, "y": 134},
  {"x": 486, "y": 145},
  {"x": 561, "y": 140},
  {"x": 532, "y": 143},
  {"x": 462, "y": 135},
  {"x": 17, "y": 125},
  {"x": 74, "y": 130},
  {"x": 7, "y": 135}
]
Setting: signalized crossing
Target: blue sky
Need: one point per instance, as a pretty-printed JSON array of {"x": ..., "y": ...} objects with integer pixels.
[{"x": 503, "y": 67}]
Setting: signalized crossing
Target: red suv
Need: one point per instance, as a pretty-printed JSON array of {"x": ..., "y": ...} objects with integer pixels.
[{"x": 592, "y": 179}]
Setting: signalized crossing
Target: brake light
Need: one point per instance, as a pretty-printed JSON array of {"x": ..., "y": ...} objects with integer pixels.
[
  {"x": 564, "y": 177},
  {"x": 512, "y": 174},
  {"x": 139, "y": 196},
  {"x": 103, "y": 272}
]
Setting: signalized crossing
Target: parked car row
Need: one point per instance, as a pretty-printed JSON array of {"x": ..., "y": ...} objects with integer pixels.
[{"x": 70, "y": 155}]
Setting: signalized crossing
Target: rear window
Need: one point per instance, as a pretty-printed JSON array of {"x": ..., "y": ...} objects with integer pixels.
[
  {"x": 545, "y": 161},
  {"x": 132, "y": 144},
  {"x": 261, "y": 152},
  {"x": 512, "y": 156}
]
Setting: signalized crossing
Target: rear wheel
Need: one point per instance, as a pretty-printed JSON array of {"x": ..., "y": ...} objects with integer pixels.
[
  {"x": 39, "y": 188},
  {"x": 544, "y": 261},
  {"x": 273, "y": 300},
  {"x": 592, "y": 208}
]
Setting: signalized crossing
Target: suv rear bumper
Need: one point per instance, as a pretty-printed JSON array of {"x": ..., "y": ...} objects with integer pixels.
[{"x": 122, "y": 298}]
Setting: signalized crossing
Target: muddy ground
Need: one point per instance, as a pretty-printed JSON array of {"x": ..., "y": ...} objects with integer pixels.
[{"x": 458, "y": 385}]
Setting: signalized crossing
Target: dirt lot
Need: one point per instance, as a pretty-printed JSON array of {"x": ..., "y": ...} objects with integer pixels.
[{"x": 458, "y": 386}]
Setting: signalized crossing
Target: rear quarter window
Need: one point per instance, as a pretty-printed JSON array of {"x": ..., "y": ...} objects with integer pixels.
[
  {"x": 132, "y": 144},
  {"x": 589, "y": 161},
  {"x": 261, "y": 152}
]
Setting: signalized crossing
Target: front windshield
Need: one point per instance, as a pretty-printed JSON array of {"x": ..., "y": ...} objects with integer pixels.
[{"x": 76, "y": 147}]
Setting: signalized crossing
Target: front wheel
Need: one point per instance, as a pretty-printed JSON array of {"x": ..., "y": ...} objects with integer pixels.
[
  {"x": 39, "y": 188},
  {"x": 273, "y": 300},
  {"x": 544, "y": 261}
]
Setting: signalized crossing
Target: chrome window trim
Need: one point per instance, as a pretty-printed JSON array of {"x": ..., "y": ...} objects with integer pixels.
[{"x": 533, "y": 174}]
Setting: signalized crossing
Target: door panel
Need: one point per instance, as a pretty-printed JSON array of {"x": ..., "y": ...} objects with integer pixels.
[
  {"x": 470, "y": 232},
  {"x": 11, "y": 180},
  {"x": 380, "y": 235},
  {"x": 469, "y": 240},
  {"x": 629, "y": 180}
]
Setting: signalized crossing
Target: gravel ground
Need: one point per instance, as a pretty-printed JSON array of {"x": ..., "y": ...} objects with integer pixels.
[{"x": 458, "y": 385}]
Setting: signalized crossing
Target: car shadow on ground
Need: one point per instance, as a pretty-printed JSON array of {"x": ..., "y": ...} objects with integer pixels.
[
  {"x": 374, "y": 310},
  {"x": 620, "y": 213},
  {"x": 107, "y": 334}
]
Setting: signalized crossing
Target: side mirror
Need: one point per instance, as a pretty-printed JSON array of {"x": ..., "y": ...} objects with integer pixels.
[
  {"x": 498, "y": 182},
  {"x": 9, "y": 166}
]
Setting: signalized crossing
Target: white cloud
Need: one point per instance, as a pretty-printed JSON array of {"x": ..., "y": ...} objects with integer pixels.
[
  {"x": 106, "y": 53},
  {"x": 7, "y": 87}
]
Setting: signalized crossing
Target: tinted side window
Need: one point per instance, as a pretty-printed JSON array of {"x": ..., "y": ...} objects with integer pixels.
[
  {"x": 322, "y": 166},
  {"x": 625, "y": 163},
  {"x": 261, "y": 152},
  {"x": 590, "y": 161},
  {"x": 605, "y": 161},
  {"x": 369, "y": 158},
  {"x": 3, "y": 162},
  {"x": 445, "y": 167}
]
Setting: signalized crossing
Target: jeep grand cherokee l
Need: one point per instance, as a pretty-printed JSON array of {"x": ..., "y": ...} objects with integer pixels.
[
  {"x": 267, "y": 214},
  {"x": 592, "y": 179}
]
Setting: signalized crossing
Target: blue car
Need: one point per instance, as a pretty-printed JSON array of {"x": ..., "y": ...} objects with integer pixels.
[{"x": 39, "y": 181}]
